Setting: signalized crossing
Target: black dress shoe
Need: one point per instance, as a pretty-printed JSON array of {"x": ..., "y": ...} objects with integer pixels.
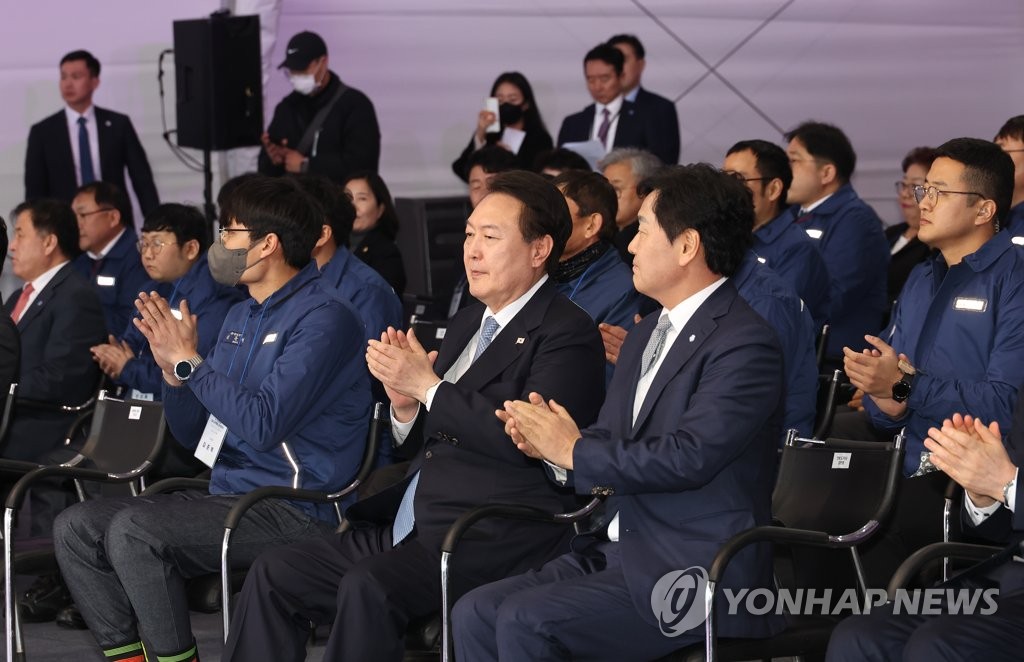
[
  {"x": 44, "y": 599},
  {"x": 69, "y": 617}
]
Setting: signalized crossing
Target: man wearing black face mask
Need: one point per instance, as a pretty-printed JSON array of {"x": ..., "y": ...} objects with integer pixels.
[
  {"x": 283, "y": 398},
  {"x": 324, "y": 126},
  {"x": 518, "y": 115}
]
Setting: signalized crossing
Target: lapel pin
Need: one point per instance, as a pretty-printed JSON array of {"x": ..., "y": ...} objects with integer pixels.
[
  {"x": 693, "y": 337},
  {"x": 520, "y": 341}
]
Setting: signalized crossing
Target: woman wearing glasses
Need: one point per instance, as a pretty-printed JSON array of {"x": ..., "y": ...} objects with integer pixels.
[{"x": 906, "y": 249}]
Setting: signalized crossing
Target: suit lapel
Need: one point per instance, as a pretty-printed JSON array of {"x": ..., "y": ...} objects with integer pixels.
[
  {"x": 458, "y": 333},
  {"x": 65, "y": 167},
  {"x": 626, "y": 135},
  {"x": 33, "y": 311},
  {"x": 103, "y": 128},
  {"x": 697, "y": 330}
]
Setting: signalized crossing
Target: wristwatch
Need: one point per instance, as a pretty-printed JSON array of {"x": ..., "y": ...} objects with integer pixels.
[
  {"x": 901, "y": 389},
  {"x": 183, "y": 369}
]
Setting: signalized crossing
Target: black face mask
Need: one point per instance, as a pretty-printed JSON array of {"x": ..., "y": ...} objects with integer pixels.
[{"x": 509, "y": 113}]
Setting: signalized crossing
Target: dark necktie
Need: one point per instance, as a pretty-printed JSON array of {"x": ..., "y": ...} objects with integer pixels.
[
  {"x": 97, "y": 264},
  {"x": 602, "y": 131},
  {"x": 85, "y": 153}
]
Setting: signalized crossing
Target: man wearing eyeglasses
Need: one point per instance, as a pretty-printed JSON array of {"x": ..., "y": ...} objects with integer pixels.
[
  {"x": 1011, "y": 139},
  {"x": 109, "y": 259},
  {"x": 956, "y": 342}
]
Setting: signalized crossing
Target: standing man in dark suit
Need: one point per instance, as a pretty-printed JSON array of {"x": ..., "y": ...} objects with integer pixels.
[
  {"x": 523, "y": 336},
  {"x": 648, "y": 103},
  {"x": 684, "y": 445},
  {"x": 324, "y": 126},
  {"x": 611, "y": 119},
  {"x": 110, "y": 259},
  {"x": 84, "y": 143}
]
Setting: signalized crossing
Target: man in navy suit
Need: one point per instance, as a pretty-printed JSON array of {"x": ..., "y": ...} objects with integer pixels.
[
  {"x": 611, "y": 119},
  {"x": 84, "y": 143},
  {"x": 684, "y": 446},
  {"x": 522, "y": 336},
  {"x": 648, "y": 102}
]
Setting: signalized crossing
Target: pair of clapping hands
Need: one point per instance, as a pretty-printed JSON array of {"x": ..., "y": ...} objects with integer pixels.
[{"x": 540, "y": 429}]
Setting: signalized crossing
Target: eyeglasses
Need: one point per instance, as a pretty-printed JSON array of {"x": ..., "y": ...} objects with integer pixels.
[
  {"x": 224, "y": 232},
  {"x": 932, "y": 193},
  {"x": 1013, "y": 151},
  {"x": 903, "y": 187},
  {"x": 156, "y": 246},
  {"x": 739, "y": 176},
  {"x": 85, "y": 214}
]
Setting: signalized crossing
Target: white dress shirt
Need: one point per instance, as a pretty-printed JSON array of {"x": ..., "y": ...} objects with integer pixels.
[
  {"x": 39, "y": 282},
  {"x": 614, "y": 110},
  {"x": 978, "y": 515},
  {"x": 94, "y": 141},
  {"x": 461, "y": 365},
  {"x": 106, "y": 249}
]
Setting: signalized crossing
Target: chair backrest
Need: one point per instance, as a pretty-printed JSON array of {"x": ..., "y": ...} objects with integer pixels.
[
  {"x": 837, "y": 486},
  {"x": 123, "y": 434}
]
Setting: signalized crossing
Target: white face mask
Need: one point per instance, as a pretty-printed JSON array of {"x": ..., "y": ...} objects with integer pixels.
[{"x": 303, "y": 83}]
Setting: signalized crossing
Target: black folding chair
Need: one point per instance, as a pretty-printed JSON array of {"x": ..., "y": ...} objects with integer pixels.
[{"x": 124, "y": 441}]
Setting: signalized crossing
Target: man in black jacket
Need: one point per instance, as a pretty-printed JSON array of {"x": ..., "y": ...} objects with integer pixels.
[{"x": 324, "y": 126}]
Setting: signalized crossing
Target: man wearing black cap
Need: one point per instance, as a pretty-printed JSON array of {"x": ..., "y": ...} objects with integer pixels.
[{"x": 324, "y": 126}]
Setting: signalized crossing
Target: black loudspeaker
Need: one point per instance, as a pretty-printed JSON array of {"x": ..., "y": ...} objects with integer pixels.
[{"x": 219, "y": 82}]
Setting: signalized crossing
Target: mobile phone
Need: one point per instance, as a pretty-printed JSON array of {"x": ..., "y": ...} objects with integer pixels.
[{"x": 491, "y": 104}]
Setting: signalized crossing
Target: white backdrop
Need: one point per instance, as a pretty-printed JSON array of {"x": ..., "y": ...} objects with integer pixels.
[{"x": 893, "y": 74}]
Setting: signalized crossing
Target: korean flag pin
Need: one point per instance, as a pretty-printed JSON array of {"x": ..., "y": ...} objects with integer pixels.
[
  {"x": 693, "y": 337},
  {"x": 520, "y": 341}
]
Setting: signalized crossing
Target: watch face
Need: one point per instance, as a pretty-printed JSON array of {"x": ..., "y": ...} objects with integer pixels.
[
  {"x": 182, "y": 370},
  {"x": 900, "y": 391}
]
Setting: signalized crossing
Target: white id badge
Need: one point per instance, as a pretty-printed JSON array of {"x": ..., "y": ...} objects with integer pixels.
[
  {"x": 139, "y": 395},
  {"x": 211, "y": 441}
]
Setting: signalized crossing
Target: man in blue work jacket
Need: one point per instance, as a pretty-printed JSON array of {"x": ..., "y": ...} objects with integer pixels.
[
  {"x": 847, "y": 231},
  {"x": 1011, "y": 139},
  {"x": 956, "y": 343},
  {"x": 283, "y": 398},
  {"x": 780, "y": 243}
]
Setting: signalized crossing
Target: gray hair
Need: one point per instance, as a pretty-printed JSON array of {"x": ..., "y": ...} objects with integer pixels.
[{"x": 641, "y": 162}]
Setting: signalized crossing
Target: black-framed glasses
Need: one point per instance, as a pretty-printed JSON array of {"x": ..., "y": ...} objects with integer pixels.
[
  {"x": 932, "y": 193},
  {"x": 155, "y": 246},
  {"x": 224, "y": 232},
  {"x": 86, "y": 214}
]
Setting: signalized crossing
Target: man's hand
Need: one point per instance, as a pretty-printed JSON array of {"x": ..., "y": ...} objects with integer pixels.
[
  {"x": 613, "y": 337},
  {"x": 857, "y": 401},
  {"x": 404, "y": 367},
  {"x": 170, "y": 339},
  {"x": 274, "y": 151},
  {"x": 112, "y": 356},
  {"x": 874, "y": 371},
  {"x": 291, "y": 159},
  {"x": 540, "y": 429},
  {"x": 973, "y": 455}
]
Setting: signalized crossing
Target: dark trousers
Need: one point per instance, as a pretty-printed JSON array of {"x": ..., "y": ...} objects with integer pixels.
[
  {"x": 883, "y": 635},
  {"x": 126, "y": 560},
  {"x": 575, "y": 607}
]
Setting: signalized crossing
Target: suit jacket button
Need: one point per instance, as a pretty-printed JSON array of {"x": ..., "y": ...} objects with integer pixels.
[
  {"x": 455, "y": 441},
  {"x": 429, "y": 454}
]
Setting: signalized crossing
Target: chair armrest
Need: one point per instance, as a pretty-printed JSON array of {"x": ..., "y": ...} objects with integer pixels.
[
  {"x": 42, "y": 405},
  {"x": 774, "y": 534},
  {"x": 913, "y": 564},
  {"x": 17, "y": 493},
  {"x": 20, "y": 467},
  {"x": 250, "y": 499},
  {"x": 175, "y": 484},
  {"x": 511, "y": 511}
]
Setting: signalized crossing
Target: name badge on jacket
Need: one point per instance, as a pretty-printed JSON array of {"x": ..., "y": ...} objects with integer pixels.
[
  {"x": 970, "y": 304},
  {"x": 105, "y": 281}
]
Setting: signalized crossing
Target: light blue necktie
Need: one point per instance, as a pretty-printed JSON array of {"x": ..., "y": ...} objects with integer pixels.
[
  {"x": 84, "y": 153},
  {"x": 406, "y": 516}
]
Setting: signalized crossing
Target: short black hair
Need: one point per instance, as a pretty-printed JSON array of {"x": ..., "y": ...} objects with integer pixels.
[
  {"x": 91, "y": 63},
  {"x": 716, "y": 205},
  {"x": 339, "y": 212},
  {"x": 111, "y": 196},
  {"x": 388, "y": 222},
  {"x": 1013, "y": 129},
  {"x": 545, "y": 211},
  {"x": 988, "y": 170},
  {"x": 608, "y": 54},
  {"x": 53, "y": 217},
  {"x": 826, "y": 142},
  {"x": 632, "y": 41},
  {"x": 592, "y": 193},
  {"x": 492, "y": 159},
  {"x": 560, "y": 159},
  {"x": 226, "y": 192},
  {"x": 922, "y": 156},
  {"x": 184, "y": 221},
  {"x": 280, "y": 206},
  {"x": 771, "y": 163}
]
